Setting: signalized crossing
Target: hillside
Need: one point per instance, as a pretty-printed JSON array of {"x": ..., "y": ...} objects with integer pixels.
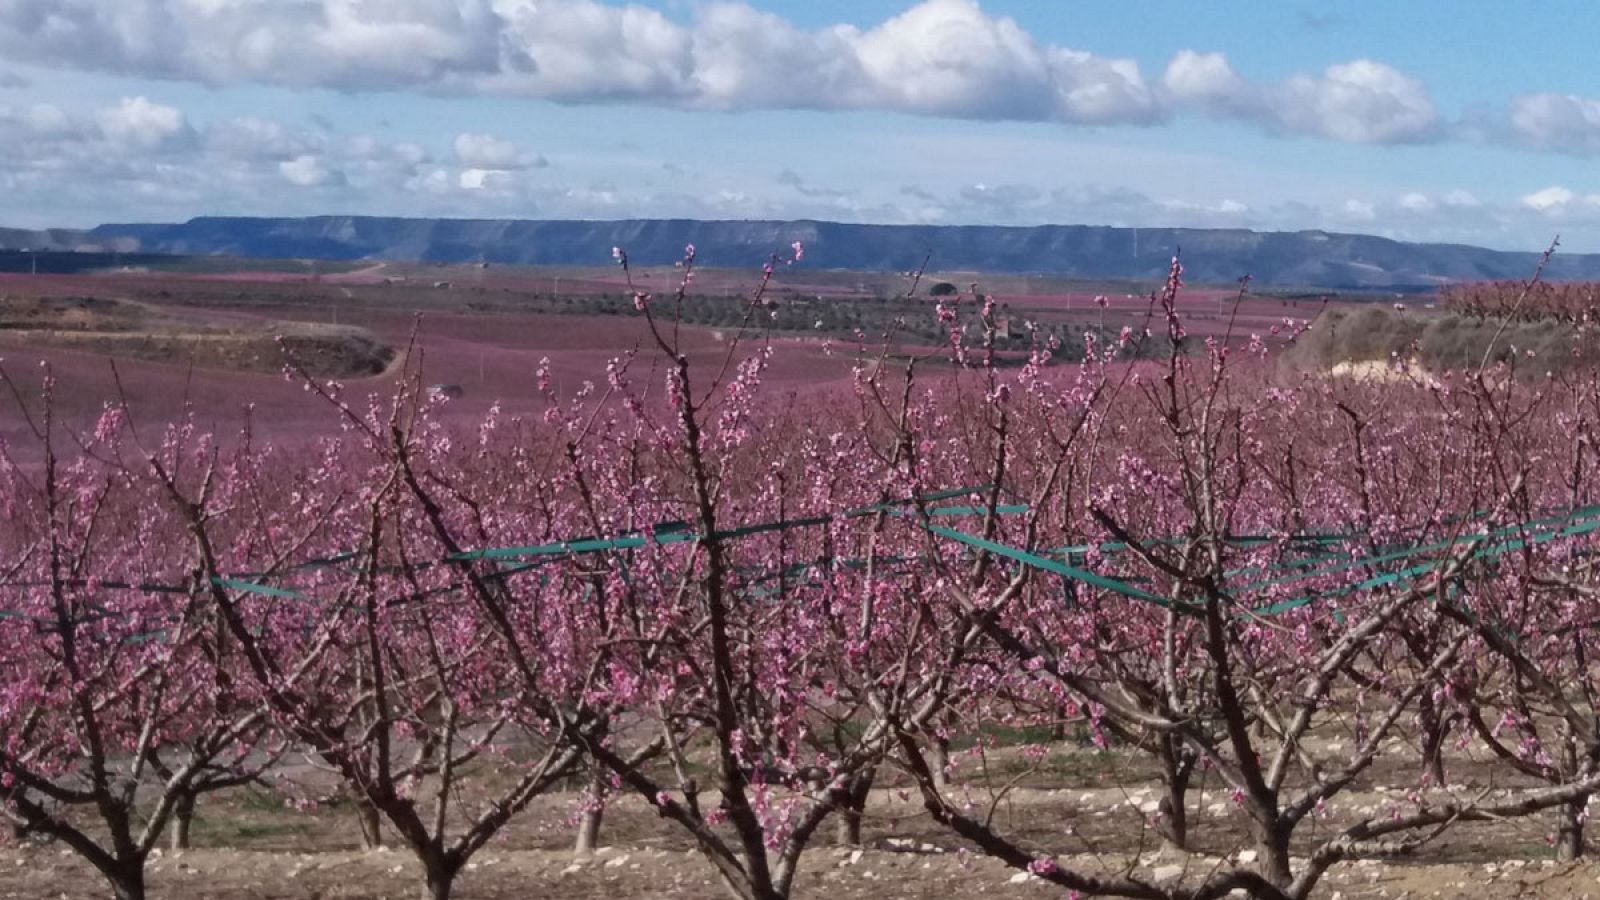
[
  {"x": 1307, "y": 258},
  {"x": 1351, "y": 339},
  {"x": 130, "y": 330}
]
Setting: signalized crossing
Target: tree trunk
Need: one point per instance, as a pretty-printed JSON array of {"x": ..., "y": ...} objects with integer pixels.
[
  {"x": 1173, "y": 824},
  {"x": 1569, "y": 837},
  {"x": 182, "y": 819},
  {"x": 127, "y": 881},
  {"x": 439, "y": 884},
  {"x": 939, "y": 761},
  {"x": 371, "y": 824},
  {"x": 1272, "y": 849},
  {"x": 1434, "y": 733},
  {"x": 438, "y": 880},
  {"x": 589, "y": 826},
  {"x": 848, "y": 823}
]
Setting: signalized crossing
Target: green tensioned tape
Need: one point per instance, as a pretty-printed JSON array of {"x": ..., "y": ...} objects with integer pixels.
[
  {"x": 1320, "y": 560},
  {"x": 681, "y": 534},
  {"x": 1579, "y": 521},
  {"x": 1252, "y": 540},
  {"x": 1403, "y": 576},
  {"x": 663, "y": 533},
  {"x": 1008, "y": 509},
  {"x": 1491, "y": 551},
  {"x": 1291, "y": 565},
  {"x": 251, "y": 587},
  {"x": 1047, "y": 564},
  {"x": 1549, "y": 517},
  {"x": 1587, "y": 514}
]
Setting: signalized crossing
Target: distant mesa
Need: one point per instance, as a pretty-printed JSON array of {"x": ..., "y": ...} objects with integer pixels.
[{"x": 1313, "y": 259}]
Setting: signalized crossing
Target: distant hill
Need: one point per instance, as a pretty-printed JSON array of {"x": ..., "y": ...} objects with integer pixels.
[
  {"x": 64, "y": 239},
  {"x": 1304, "y": 258}
]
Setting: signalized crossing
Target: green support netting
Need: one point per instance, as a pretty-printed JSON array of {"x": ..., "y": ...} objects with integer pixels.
[
  {"x": 1495, "y": 543},
  {"x": 1314, "y": 555},
  {"x": 664, "y": 533}
]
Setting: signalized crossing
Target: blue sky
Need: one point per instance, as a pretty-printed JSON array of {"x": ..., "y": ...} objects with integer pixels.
[{"x": 1464, "y": 121}]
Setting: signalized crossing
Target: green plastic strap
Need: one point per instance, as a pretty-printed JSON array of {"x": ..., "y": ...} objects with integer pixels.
[
  {"x": 1587, "y": 513},
  {"x": 265, "y": 590},
  {"x": 680, "y": 533},
  {"x": 1007, "y": 509},
  {"x": 1249, "y": 540},
  {"x": 1048, "y": 565},
  {"x": 1405, "y": 576}
]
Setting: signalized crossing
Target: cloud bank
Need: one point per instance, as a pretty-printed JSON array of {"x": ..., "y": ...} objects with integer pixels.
[{"x": 946, "y": 58}]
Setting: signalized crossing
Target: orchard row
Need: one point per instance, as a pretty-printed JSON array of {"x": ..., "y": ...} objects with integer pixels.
[{"x": 744, "y": 607}]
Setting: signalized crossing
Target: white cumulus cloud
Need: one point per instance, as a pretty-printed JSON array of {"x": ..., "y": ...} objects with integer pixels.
[
  {"x": 940, "y": 57},
  {"x": 1358, "y": 102},
  {"x": 306, "y": 171},
  {"x": 1362, "y": 102},
  {"x": 1416, "y": 202},
  {"x": 1562, "y": 122},
  {"x": 1557, "y": 199},
  {"x": 485, "y": 151},
  {"x": 256, "y": 138},
  {"x": 950, "y": 57},
  {"x": 1549, "y": 198},
  {"x": 139, "y": 122},
  {"x": 1208, "y": 81}
]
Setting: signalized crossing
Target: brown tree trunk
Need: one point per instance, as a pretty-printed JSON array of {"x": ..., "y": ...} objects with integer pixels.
[
  {"x": 182, "y": 819},
  {"x": 939, "y": 762},
  {"x": 1173, "y": 824},
  {"x": 1434, "y": 732},
  {"x": 371, "y": 824},
  {"x": 848, "y": 823},
  {"x": 438, "y": 884},
  {"x": 588, "y": 838},
  {"x": 1272, "y": 848},
  {"x": 1569, "y": 836},
  {"x": 127, "y": 881}
]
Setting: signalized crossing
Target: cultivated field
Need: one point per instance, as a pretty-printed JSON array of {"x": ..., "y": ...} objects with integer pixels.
[{"x": 486, "y": 330}]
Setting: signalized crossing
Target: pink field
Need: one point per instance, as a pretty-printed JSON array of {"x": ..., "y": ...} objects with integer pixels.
[
  {"x": 492, "y": 358},
  {"x": 657, "y": 281}
]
